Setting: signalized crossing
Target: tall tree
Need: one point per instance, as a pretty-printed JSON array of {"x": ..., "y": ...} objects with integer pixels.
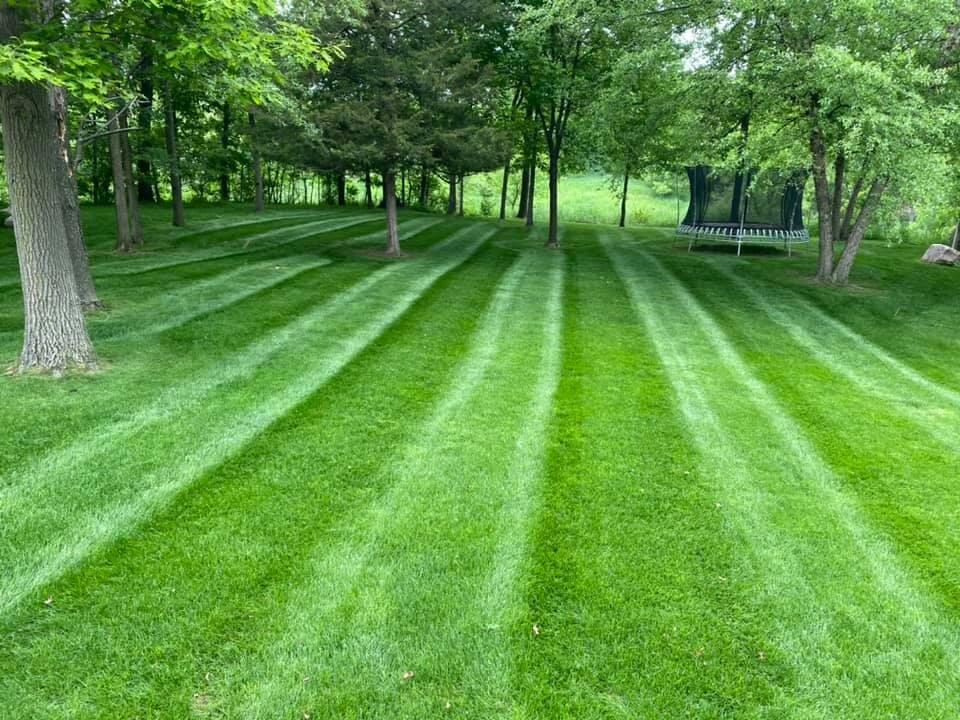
[
  {"x": 845, "y": 89},
  {"x": 55, "y": 336}
]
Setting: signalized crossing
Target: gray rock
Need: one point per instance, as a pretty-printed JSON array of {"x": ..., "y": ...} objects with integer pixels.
[{"x": 941, "y": 255}]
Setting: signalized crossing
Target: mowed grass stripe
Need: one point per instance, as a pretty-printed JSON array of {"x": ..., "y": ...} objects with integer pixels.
[
  {"x": 629, "y": 583},
  {"x": 40, "y": 540},
  {"x": 89, "y": 405},
  {"x": 170, "y": 254},
  {"x": 822, "y": 327},
  {"x": 154, "y": 624},
  {"x": 836, "y": 590},
  {"x": 268, "y": 241},
  {"x": 409, "y": 586},
  {"x": 887, "y": 453}
]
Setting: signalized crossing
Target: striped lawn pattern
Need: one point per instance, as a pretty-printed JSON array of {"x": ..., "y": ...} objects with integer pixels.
[{"x": 486, "y": 481}]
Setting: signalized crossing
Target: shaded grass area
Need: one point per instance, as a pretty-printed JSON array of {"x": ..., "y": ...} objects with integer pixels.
[{"x": 486, "y": 481}]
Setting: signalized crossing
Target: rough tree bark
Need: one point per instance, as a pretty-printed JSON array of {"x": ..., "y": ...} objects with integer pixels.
[
  {"x": 124, "y": 239},
  {"x": 133, "y": 199},
  {"x": 55, "y": 336},
  {"x": 86, "y": 291},
  {"x": 623, "y": 198},
  {"x": 257, "y": 163},
  {"x": 173, "y": 156},
  {"x": 390, "y": 203}
]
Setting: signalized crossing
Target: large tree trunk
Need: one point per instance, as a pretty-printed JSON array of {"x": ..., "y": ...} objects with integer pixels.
[
  {"x": 173, "y": 156},
  {"x": 124, "y": 240},
  {"x": 824, "y": 204},
  {"x": 55, "y": 334},
  {"x": 86, "y": 291},
  {"x": 504, "y": 188},
  {"x": 390, "y": 203},
  {"x": 553, "y": 234},
  {"x": 841, "y": 274},
  {"x": 133, "y": 200},
  {"x": 145, "y": 121},
  {"x": 956, "y": 236},
  {"x": 623, "y": 198},
  {"x": 257, "y": 162},
  {"x": 225, "y": 146}
]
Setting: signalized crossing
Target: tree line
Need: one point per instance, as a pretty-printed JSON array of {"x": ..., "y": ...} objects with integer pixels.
[{"x": 258, "y": 101}]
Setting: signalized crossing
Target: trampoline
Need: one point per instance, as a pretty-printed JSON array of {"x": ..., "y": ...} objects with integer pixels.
[{"x": 744, "y": 208}]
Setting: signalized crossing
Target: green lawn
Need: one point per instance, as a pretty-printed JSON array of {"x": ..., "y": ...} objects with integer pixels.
[{"x": 485, "y": 481}]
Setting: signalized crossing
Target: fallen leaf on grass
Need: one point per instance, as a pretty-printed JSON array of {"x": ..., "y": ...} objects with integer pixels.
[
  {"x": 536, "y": 631},
  {"x": 408, "y": 675}
]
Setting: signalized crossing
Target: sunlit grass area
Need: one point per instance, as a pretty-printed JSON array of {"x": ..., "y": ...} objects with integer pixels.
[{"x": 484, "y": 481}]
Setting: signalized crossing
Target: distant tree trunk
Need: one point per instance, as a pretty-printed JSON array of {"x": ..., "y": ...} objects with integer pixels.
[
  {"x": 368, "y": 189},
  {"x": 341, "y": 189},
  {"x": 531, "y": 192},
  {"x": 460, "y": 199},
  {"x": 145, "y": 192},
  {"x": 524, "y": 189},
  {"x": 452, "y": 194},
  {"x": 824, "y": 203},
  {"x": 86, "y": 291},
  {"x": 225, "y": 146},
  {"x": 553, "y": 234},
  {"x": 403, "y": 188},
  {"x": 124, "y": 240},
  {"x": 133, "y": 201},
  {"x": 258, "y": 203},
  {"x": 55, "y": 333},
  {"x": 956, "y": 235},
  {"x": 847, "y": 221},
  {"x": 623, "y": 198},
  {"x": 504, "y": 187},
  {"x": 424, "y": 187},
  {"x": 390, "y": 202},
  {"x": 529, "y": 162},
  {"x": 836, "y": 207},
  {"x": 173, "y": 157}
]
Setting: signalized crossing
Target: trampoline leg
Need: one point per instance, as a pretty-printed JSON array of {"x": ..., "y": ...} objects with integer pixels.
[
  {"x": 739, "y": 245},
  {"x": 789, "y": 250}
]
